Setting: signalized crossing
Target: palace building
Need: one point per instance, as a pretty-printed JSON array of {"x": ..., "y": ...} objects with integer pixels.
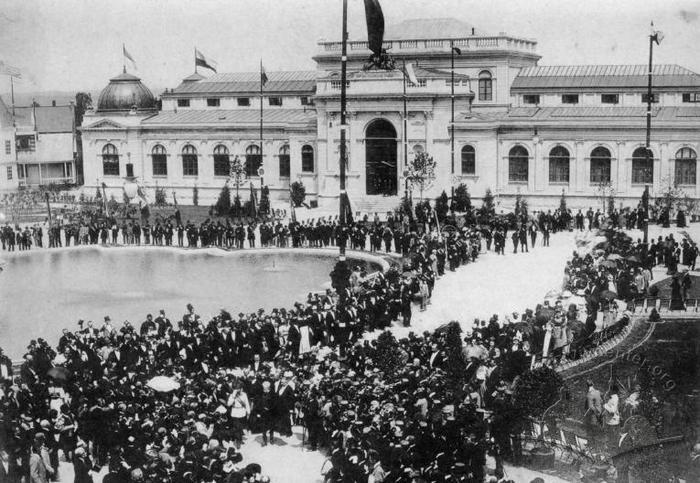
[{"x": 519, "y": 127}]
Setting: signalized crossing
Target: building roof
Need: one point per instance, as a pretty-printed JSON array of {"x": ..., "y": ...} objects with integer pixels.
[
  {"x": 49, "y": 119},
  {"x": 187, "y": 117},
  {"x": 603, "y": 76},
  {"x": 593, "y": 114},
  {"x": 124, "y": 93},
  {"x": 249, "y": 82},
  {"x": 5, "y": 114},
  {"x": 431, "y": 28}
]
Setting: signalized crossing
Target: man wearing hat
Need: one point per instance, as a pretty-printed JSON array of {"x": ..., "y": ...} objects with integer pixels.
[
  {"x": 285, "y": 402},
  {"x": 40, "y": 470}
]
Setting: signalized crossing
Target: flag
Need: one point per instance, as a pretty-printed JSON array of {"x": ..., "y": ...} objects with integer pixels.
[
  {"x": 656, "y": 35},
  {"x": 263, "y": 75},
  {"x": 9, "y": 70},
  {"x": 202, "y": 61},
  {"x": 375, "y": 26},
  {"x": 127, "y": 56},
  {"x": 411, "y": 74}
]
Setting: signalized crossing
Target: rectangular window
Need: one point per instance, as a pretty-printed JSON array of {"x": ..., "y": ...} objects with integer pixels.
[
  {"x": 160, "y": 165},
  {"x": 485, "y": 89},
  {"x": 654, "y": 98},
  {"x": 569, "y": 99},
  {"x": 252, "y": 164},
  {"x": 222, "y": 165},
  {"x": 691, "y": 97},
  {"x": 8, "y": 147},
  {"x": 518, "y": 170},
  {"x": 531, "y": 99},
  {"x": 610, "y": 98},
  {"x": 9, "y": 173},
  {"x": 190, "y": 167},
  {"x": 110, "y": 165},
  {"x": 20, "y": 171},
  {"x": 686, "y": 171},
  {"x": 284, "y": 166},
  {"x": 275, "y": 101},
  {"x": 600, "y": 170},
  {"x": 642, "y": 171},
  {"x": 243, "y": 101},
  {"x": 25, "y": 142},
  {"x": 558, "y": 170},
  {"x": 183, "y": 103},
  {"x": 213, "y": 102},
  {"x": 307, "y": 101}
]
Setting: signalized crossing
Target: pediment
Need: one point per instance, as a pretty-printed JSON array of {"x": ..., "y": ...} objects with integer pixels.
[{"x": 105, "y": 124}]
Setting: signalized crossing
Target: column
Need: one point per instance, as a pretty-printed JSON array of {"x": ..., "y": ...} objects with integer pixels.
[
  {"x": 622, "y": 169},
  {"x": 664, "y": 164},
  {"x": 582, "y": 167},
  {"x": 539, "y": 166},
  {"x": 659, "y": 174}
]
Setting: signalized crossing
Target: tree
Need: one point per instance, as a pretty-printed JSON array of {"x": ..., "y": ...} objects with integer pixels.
[
  {"x": 421, "y": 172},
  {"x": 264, "y": 208},
  {"x": 160, "y": 197},
  {"x": 298, "y": 193},
  {"x": 236, "y": 207},
  {"x": 223, "y": 204},
  {"x": 488, "y": 207},
  {"x": 462, "y": 201},
  {"x": 237, "y": 173},
  {"x": 340, "y": 278},
  {"x": 195, "y": 196},
  {"x": 562, "y": 202},
  {"x": 442, "y": 206},
  {"x": 406, "y": 207},
  {"x": 98, "y": 194}
]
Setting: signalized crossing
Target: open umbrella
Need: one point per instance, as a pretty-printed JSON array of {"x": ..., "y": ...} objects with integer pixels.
[
  {"x": 608, "y": 263},
  {"x": 614, "y": 256},
  {"x": 633, "y": 258},
  {"x": 608, "y": 295},
  {"x": 59, "y": 373},
  {"x": 163, "y": 384}
]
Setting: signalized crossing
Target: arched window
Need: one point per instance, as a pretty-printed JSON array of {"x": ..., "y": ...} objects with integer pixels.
[
  {"x": 518, "y": 158},
  {"x": 253, "y": 160},
  {"x": 686, "y": 166},
  {"x": 642, "y": 168},
  {"x": 468, "y": 160},
  {"x": 600, "y": 165},
  {"x": 159, "y": 159},
  {"x": 307, "y": 159},
  {"x": 222, "y": 166},
  {"x": 559, "y": 165},
  {"x": 110, "y": 160},
  {"x": 284, "y": 162},
  {"x": 190, "y": 165},
  {"x": 485, "y": 86}
]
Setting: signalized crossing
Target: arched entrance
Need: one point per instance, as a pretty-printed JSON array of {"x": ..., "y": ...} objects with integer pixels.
[{"x": 380, "y": 158}]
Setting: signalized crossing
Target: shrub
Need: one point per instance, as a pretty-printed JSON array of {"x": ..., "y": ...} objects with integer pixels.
[
  {"x": 488, "y": 207},
  {"x": 340, "y": 277},
  {"x": 462, "y": 201},
  {"x": 298, "y": 193},
  {"x": 441, "y": 206},
  {"x": 161, "y": 199},
  {"x": 264, "y": 207},
  {"x": 223, "y": 204}
]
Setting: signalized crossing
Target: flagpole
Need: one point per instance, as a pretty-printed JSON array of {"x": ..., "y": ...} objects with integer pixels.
[
  {"x": 261, "y": 121},
  {"x": 405, "y": 119},
  {"x": 452, "y": 98},
  {"x": 648, "y": 139},
  {"x": 12, "y": 94},
  {"x": 123, "y": 57},
  {"x": 195, "y": 59},
  {"x": 343, "y": 103}
]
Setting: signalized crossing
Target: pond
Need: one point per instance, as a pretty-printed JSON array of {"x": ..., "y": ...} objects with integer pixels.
[{"x": 42, "y": 292}]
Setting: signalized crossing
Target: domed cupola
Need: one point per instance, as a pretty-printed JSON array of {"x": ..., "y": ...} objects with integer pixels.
[{"x": 126, "y": 93}]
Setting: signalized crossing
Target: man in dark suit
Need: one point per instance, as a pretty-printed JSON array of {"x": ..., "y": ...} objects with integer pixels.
[
  {"x": 266, "y": 411},
  {"x": 284, "y": 388}
]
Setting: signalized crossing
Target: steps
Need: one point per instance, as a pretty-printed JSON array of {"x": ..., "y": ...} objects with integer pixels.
[{"x": 374, "y": 204}]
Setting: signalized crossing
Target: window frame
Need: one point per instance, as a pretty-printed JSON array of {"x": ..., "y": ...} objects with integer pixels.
[
  {"x": 306, "y": 151},
  {"x": 518, "y": 154},
  {"x": 8, "y": 146},
  {"x": 558, "y": 157},
  {"x": 570, "y": 98},
  {"x": 213, "y": 102},
  {"x": 690, "y": 97},
  {"x": 222, "y": 161},
  {"x": 285, "y": 168},
  {"x": 605, "y": 172},
  {"x": 159, "y": 161},
  {"x": 642, "y": 174},
  {"x": 30, "y": 144},
  {"x": 485, "y": 85},
  {"x": 110, "y": 159},
  {"x": 615, "y": 96},
  {"x": 190, "y": 161},
  {"x": 277, "y": 101},
  {"x": 252, "y": 155},
  {"x": 535, "y": 97},
  {"x": 243, "y": 101},
  {"x": 9, "y": 173},
  {"x": 467, "y": 157},
  {"x": 183, "y": 103},
  {"x": 654, "y": 98},
  {"x": 688, "y": 163}
]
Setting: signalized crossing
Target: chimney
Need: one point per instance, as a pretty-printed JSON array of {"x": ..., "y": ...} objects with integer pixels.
[{"x": 53, "y": 103}]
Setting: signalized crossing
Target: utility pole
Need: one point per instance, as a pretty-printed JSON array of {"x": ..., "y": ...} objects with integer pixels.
[
  {"x": 653, "y": 37},
  {"x": 343, "y": 128}
]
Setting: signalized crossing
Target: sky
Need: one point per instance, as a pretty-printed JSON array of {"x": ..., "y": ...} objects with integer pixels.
[{"x": 72, "y": 45}]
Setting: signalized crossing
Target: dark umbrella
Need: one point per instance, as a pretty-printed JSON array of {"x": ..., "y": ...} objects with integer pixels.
[
  {"x": 608, "y": 295},
  {"x": 59, "y": 373}
]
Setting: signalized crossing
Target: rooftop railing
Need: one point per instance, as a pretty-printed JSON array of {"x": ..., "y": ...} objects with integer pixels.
[{"x": 466, "y": 43}]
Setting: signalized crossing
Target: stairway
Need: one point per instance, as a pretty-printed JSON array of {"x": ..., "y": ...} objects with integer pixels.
[{"x": 374, "y": 204}]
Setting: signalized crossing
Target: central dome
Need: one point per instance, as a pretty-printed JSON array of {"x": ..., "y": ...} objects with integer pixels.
[{"x": 124, "y": 93}]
